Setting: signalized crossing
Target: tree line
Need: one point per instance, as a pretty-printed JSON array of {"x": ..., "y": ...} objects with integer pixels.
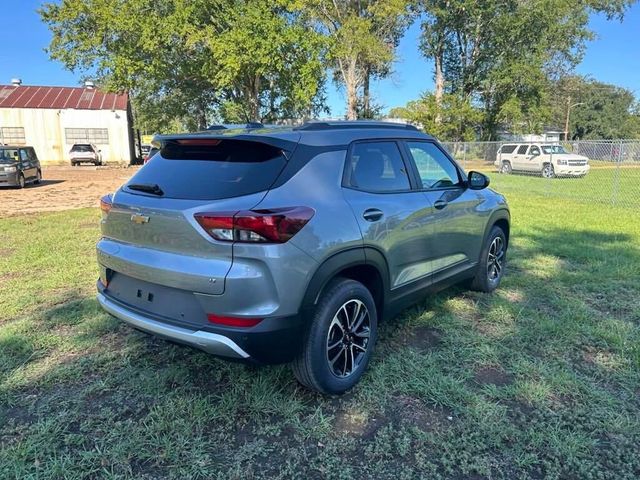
[{"x": 498, "y": 64}]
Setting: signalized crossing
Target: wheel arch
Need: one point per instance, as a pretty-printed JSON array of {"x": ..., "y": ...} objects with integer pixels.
[
  {"x": 500, "y": 218},
  {"x": 363, "y": 264}
]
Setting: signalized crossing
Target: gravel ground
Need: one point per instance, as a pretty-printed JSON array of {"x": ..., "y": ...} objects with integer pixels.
[{"x": 63, "y": 188}]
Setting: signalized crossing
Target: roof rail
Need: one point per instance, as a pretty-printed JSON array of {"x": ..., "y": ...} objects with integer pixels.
[{"x": 352, "y": 124}]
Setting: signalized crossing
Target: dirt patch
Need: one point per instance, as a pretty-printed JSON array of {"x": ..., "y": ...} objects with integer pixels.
[
  {"x": 63, "y": 188},
  {"x": 422, "y": 338},
  {"x": 409, "y": 411},
  {"x": 492, "y": 376}
]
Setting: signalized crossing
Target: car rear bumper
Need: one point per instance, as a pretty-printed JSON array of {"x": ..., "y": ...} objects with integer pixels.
[
  {"x": 207, "y": 341},
  {"x": 274, "y": 340}
]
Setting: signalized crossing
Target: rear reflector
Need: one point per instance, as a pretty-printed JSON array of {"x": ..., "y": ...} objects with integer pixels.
[
  {"x": 106, "y": 203},
  {"x": 276, "y": 225},
  {"x": 233, "y": 321}
]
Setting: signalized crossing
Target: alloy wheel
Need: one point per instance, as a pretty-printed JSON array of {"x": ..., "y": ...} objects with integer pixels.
[
  {"x": 348, "y": 338},
  {"x": 495, "y": 261},
  {"x": 547, "y": 171}
]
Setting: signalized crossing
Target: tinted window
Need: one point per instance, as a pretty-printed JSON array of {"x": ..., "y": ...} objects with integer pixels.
[
  {"x": 82, "y": 148},
  {"x": 434, "y": 168},
  {"x": 522, "y": 149},
  {"x": 24, "y": 156},
  {"x": 507, "y": 148},
  {"x": 378, "y": 167},
  {"x": 220, "y": 169}
]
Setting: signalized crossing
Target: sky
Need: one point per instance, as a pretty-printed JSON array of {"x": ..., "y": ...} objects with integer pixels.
[{"x": 613, "y": 57}]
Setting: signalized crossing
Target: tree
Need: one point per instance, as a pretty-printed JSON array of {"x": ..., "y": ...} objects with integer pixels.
[
  {"x": 362, "y": 36},
  {"x": 449, "y": 118},
  {"x": 194, "y": 59},
  {"x": 502, "y": 54},
  {"x": 594, "y": 110}
]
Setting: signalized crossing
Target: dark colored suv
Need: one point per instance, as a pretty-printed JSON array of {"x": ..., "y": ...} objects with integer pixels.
[
  {"x": 19, "y": 166},
  {"x": 291, "y": 244}
]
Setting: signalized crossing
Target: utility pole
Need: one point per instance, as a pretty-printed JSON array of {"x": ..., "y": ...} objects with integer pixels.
[{"x": 566, "y": 121}]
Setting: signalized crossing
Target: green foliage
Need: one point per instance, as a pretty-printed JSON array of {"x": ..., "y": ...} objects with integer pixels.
[
  {"x": 503, "y": 54},
  {"x": 598, "y": 110},
  {"x": 194, "y": 60},
  {"x": 362, "y": 37},
  {"x": 456, "y": 119}
]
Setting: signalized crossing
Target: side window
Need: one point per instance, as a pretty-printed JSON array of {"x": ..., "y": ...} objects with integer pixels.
[
  {"x": 378, "y": 167},
  {"x": 24, "y": 156},
  {"x": 534, "y": 150},
  {"x": 507, "y": 149},
  {"x": 434, "y": 168},
  {"x": 522, "y": 149}
]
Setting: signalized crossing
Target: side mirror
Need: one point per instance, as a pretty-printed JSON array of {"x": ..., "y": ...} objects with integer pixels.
[{"x": 477, "y": 180}]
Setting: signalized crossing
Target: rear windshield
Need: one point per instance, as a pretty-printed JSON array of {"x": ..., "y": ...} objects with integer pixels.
[
  {"x": 81, "y": 148},
  {"x": 220, "y": 169}
]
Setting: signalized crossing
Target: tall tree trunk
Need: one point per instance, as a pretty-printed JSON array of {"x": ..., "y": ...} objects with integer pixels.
[
  {"x": 439, "y": 83},
  {"x": 366, "y": 102},
  {"x": 351, "y": 84}
]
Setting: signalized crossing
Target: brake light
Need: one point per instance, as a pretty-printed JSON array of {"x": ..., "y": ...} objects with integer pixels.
[
  {"x": 106, "y": 203},
  {"x": 256, "y": 226},
  {"x": 233, "y": 321}
]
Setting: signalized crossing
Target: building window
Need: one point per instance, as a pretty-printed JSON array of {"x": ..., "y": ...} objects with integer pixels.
[
  {"x": 12, "y": 135},
  {"x": 87, "y": 135}
]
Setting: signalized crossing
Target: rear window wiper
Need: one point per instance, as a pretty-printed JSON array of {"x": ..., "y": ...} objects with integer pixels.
[{"x": 152, "y": 188}]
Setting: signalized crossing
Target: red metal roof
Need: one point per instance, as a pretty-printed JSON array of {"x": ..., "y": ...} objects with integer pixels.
[{"x": 31, "y": 96}]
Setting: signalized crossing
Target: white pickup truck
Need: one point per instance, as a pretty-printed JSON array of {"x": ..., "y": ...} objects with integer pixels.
[{"x": 545, "y": 159}]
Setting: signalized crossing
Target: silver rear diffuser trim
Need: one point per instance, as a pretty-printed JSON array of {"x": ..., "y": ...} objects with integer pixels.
[{"x": 207, "y": 341}]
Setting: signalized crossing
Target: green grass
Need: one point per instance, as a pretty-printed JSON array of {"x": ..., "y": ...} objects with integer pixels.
[
  {"x": 604, "y": 186},
  {"x": 539, "y": 380}
]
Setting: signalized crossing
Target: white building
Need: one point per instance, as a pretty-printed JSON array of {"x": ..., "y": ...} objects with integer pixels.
[{"x": 52, "y": 119}]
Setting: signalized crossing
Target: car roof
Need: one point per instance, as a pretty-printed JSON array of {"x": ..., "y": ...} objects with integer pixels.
[{"x": 339, "y": 133}]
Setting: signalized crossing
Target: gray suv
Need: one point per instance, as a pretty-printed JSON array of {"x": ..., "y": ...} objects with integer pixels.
[{"x": 291, "y": 244}]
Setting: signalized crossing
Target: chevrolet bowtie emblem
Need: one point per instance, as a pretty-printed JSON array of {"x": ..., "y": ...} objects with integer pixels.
[{"x": 139, "y": 219}]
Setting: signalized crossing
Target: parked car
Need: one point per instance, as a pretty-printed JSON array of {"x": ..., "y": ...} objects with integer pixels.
[
  {"x": 292, "y": 244},
  {"x": 546, "y": 159},
  {"x": 85, "y": 153},
  {"x": 19, "y": 166},
  {"x": 150, "y": 154},
  {"x": 144, "y": 148}
]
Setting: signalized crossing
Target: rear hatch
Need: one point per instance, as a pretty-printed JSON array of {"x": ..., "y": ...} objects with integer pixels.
[{"x": 151, "y": 234}]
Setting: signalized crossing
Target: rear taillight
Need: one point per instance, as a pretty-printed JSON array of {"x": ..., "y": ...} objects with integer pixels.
[
  {"x": 276, "y": 225},
  {"x": 106, "y": 203},
  {"x": 233, "y": 321}
]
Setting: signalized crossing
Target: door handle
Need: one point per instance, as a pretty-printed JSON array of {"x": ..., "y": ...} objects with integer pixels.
[
  {"x": 440, "y": 204},
  {"x": 372, "y": 214}
]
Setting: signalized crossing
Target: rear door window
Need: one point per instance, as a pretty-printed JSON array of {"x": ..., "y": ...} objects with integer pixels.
[
  {"x": 211, "y": 169},
  {"x": 522, "y": 149},
  {"x": 378, "y": 167}
]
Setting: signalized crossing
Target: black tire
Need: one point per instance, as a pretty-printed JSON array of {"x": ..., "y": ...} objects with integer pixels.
[
  {"x": 38, "y": 179},
  {"x": 327, "y": 338},
  {"x": 505, "y": 168},
  {"x": 486, "y": 280},
  {"x": 21, "y": 181},
  {"x": 74, "y": 164},
  {"x": 548, "y": 171}
]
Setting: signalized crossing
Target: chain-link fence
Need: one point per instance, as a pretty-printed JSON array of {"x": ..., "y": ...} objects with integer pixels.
[{"x": 613, "y": 175}]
